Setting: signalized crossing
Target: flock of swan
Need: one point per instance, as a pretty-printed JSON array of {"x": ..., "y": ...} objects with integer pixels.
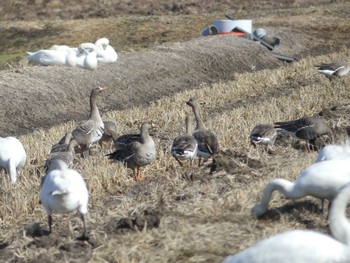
[
  {"x": 86, "y": 55},
  {"x": 63, "y": 189}
]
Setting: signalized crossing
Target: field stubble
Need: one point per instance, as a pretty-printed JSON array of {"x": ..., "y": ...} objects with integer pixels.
[{"x": 190, "y": 216}]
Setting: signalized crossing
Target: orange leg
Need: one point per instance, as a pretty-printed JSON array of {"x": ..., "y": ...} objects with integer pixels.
[{"x": 138, "y": 175}]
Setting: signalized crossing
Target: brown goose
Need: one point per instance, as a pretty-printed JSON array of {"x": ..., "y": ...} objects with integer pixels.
[
  {"x": 90, "y": 131},
  {"x": 67, "y": 156},
  {"x": 334, "y": 69},
  {"x": 136, "y": 153},
  {"x": 109, "y": 133},
  {"x": 208, "y": 144},
  {"x": 264, "y": 134},
  {"x": 185, "y": 146},
  {"x": 306, "y": 128},
  {"x": 62, "y": 145}
]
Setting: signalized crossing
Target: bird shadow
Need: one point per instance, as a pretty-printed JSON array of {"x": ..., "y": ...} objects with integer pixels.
[
  {"x": 35, "y": 230},
  {"x": 4, "y": 245},
  {"x": 295, "y": 210}
]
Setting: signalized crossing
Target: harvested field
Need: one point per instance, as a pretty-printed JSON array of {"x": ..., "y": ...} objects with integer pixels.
[{"x": 176, "y": 214}]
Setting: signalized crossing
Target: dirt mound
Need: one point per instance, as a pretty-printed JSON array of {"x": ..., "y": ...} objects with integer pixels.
[{"x": 38, "y": 96}]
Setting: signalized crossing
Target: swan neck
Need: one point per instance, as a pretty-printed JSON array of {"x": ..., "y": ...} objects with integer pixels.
[
  {"x": 281, "y": 185},
  {"x": 339, "y": 224}
]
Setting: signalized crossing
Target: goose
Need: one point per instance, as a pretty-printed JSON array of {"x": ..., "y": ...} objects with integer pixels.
[
  {"x": 66, "y": 156},
  {"x": 305, "y": 246},
  {"x": 264, "y": 134},
  {"x": 208, "y": 144},
  {"x": 87, "y": 59},
  {"x": 334, "y": 69},
  {"x": 46, "y": 57},
  {"x": 137, "y": 153},
  {"x": 109, "y": 133},
  {"x": 12, "y": 156},
  {"x": 184, "y": 147},
  {"x": 105, "y": 52},
  {"x": 62, "y": 145},
  {"x": 63, "y": 190},
  {"x": 306, "y": 128},
  {"x": 90, "y": 131},
  {"x": 321, "y": 180},
  {"x": 334, "y": 152}
]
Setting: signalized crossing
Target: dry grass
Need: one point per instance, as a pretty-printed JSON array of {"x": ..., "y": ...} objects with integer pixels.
[{"x": 202, "y": 220}]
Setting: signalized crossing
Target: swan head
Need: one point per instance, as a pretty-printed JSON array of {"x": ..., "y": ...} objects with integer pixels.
[
  {"x": 86, "y": 47},
  {"x": 259, "y": 210},
  {"x": 102, "y": 42}
]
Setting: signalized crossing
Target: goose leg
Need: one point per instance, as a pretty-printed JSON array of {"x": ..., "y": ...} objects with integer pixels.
[
  {"x": 86, "y": 154},
  {"x": 178, "y": 161},
  {"x": 85, "y": 235},
  {"x": 49, "y": 219},
  {"x": 138, "y": 175}
]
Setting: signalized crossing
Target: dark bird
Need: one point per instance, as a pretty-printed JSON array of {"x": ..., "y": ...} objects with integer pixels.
[
  {"x": 264, "y": 134},
  {"x": 136, "y": 153},
  {"x": 208, "y": 144},
  {"x": 306, "y": 128},
  {"x": 184, "y": 147}
]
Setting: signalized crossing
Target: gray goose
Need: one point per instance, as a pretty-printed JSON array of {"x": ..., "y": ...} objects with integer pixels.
[
  {"x": 184, "y": 147},
  {"x": 90, "y": 131},
  {"x": 109, "y": 133},
  {"x": 62, "y": 145},
  {"x": 334, "y": 69},
  {"x": 136, "y": 153},
  {"x": 306, "y": 128},
  {"x": 66, "y": 156},
  {"x": 264, "y": 134},
  {"x": 208, "y": 144}
]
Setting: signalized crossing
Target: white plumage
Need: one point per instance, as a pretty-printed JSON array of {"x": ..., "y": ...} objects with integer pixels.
[
  {"x": 321, "y": 180},
  {"x": 48, "y": 57},
  {"x": 105, "y": 52},
  {"x": 304, "y": 246},
  {"x": 12, "y": 156},
  {"x": 63, "y": 190},
  {"x": 334, "y": 152}
]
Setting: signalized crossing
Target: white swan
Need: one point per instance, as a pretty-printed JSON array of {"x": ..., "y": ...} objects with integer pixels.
[
  {"x": 63, "y": 190},
  {"x": 321, "y": 180},
  {"x": 105, "y": 52},
  {"x": 88, "y": 56},
  {"x": 304, "y": 246},
  {"x": 12, "y": 156},
  {"x": 334, "y": 152},
  {"x": 65, "y": 48},
  {"x": 48, "y": 57}
]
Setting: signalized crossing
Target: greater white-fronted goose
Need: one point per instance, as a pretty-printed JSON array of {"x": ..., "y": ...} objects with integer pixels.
[
  {"x": 306, "y": 128},
  {"x": 64, "y": 190},
  {"x": 66, "y": 156},
  {"x": 137, "y": 153},
  {"x": 62, "y": 145},
  {"x": 334, "y": 69},
  {"x": 184, "y": 147},
  {"x": 12, "y": 156},
  {"x": 264, "y": 134},
  {"x": 208, "y": 144},
  {"x": 109, "y": 133},
  {"x": 90, "y": 131}
]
